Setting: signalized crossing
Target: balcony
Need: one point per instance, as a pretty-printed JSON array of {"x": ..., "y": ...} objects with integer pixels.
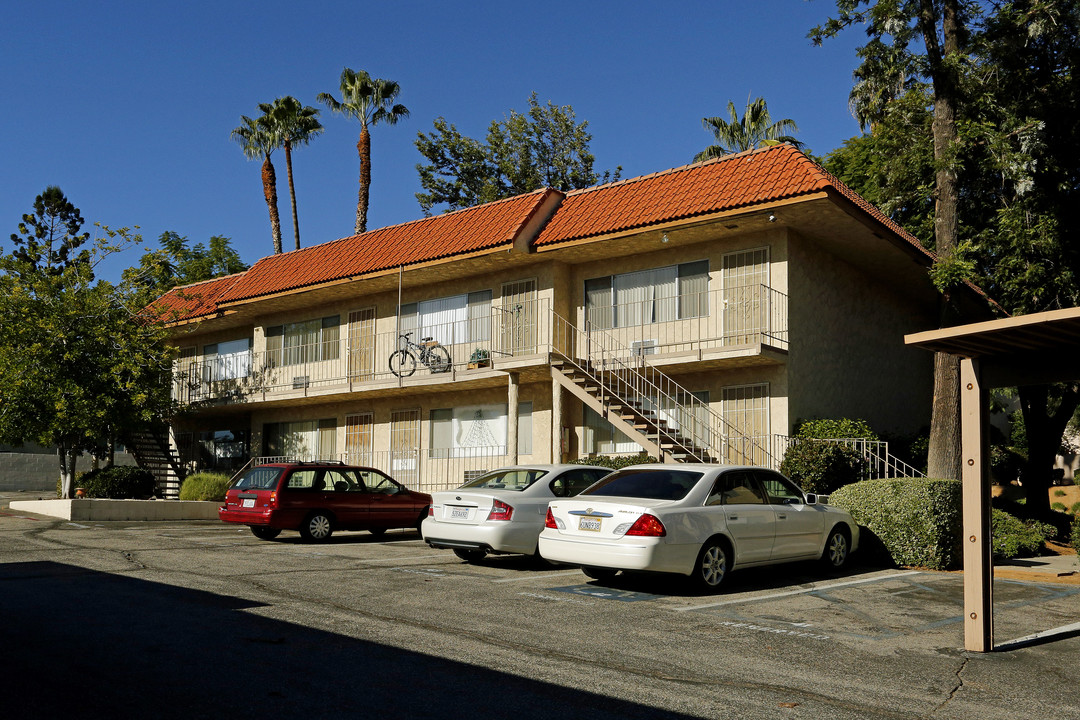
[{"x": 715, "y": 327}]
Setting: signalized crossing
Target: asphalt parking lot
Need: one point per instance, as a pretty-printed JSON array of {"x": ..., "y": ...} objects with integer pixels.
[{"x": 154, "y": 601}]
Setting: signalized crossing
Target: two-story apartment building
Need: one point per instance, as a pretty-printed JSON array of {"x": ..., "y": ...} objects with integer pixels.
[{"x": 698, "y": 312}]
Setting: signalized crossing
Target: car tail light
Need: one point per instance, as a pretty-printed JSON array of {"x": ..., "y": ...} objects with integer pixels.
[
  {"x": 647, "y": 526},
  {"x": 273, "y": 498},
  {"x": 500, "y": 511},
  {"x": 431, "y": 511},
  {"x": 549, "y": 521}
]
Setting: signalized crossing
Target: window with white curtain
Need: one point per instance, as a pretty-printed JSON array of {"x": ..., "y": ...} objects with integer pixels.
[
  {"x": 449, "y": 320},
  {"x": 662, "y": 294},
  {"x": 228, "y": 360},
  {"x": 471, "y": 429},
  {"x": 306, "y": 440},
  {"x": 304, "y": 342}
]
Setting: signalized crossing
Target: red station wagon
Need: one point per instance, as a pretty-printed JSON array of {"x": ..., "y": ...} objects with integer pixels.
[{"x": 319, "y": 498}]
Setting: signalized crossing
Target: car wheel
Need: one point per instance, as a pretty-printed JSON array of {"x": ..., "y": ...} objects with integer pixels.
[
  {"x": 837, "y": 549},
  {"x": 318, "y": 527},
  {"x": 265, "y": 533},
  {"x": 377, "y": 532},
  {"x": 600, "y": 573},
  {"x": 712, "y": 566},
  {"x": 470, "y": 556}
]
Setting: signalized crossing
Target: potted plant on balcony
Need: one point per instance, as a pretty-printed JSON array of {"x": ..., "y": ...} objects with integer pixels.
[{"x": 479, "y": 358}]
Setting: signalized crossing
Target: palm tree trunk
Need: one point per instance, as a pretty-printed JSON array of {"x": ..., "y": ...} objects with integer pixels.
[
  {"x": 363, "y": 148},
  {"x": 945, "y": 453},
  {"x": 269, "y": 178},
  {"x": 292, "y": 192}
]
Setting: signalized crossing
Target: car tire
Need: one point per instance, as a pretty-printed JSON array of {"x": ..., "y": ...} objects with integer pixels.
[
  {"x": 712, "y": 566},
  {"x": 470, "y": 556},
  {"x": 377, "y": 532},
  {"x": 265, "y": 533},
  {"x": 600, "y": 573},
  {"x": 837, "y": 548},
  {"x": 318, "y": 526}
]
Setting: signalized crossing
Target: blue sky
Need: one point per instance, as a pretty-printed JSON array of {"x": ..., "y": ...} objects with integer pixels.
[{"x": 128, "y": 106}]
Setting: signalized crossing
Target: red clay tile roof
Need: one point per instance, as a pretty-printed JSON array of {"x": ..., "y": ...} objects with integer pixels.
[
  {"x": 484, "y": 227},
  {"x": 728, "y": 183},
  {"x": 192, "y": 301}
]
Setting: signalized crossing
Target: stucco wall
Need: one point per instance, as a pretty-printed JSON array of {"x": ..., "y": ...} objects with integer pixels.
[
  {"x": 39, "y": 471},
  {"x": 847, "y": 352}
]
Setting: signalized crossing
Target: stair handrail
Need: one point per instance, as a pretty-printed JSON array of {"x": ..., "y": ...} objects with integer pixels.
[{"x": 696, "y": 420}]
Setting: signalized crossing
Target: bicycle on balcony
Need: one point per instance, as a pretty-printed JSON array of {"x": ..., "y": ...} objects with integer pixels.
[{"x": 428, "y": 351}]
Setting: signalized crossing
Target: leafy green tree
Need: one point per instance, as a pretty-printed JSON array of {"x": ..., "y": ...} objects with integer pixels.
[
  {"x": 257, "y": 140},
  {"x": 79, "y": 365},
  {"x": 543, "y": 147},
  {"x": 177, "y": 262},
  {"x": 1015, "y": 160},
  {"x": 371, "y": 101},
  {"x": 294, "y": 124},
  {"x": 754, "y": 129}
]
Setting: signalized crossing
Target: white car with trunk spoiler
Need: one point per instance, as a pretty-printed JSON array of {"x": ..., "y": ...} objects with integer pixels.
[
  {"x": 502, "y": 511},
  {"x": 702, "y": 521}
]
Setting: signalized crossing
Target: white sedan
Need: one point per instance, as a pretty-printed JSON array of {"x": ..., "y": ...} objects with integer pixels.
[
  {"x": 502, "y": 511},
  {"x": 698, "y": 520}
]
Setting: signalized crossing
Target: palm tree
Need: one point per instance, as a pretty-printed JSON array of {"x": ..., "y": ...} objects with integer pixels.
[
  {"x": 292, "y": 124},
  {"x": 371, "y": 101},
  {"x": 754, "y": 129},
  {"x": 256, "y": 139}
]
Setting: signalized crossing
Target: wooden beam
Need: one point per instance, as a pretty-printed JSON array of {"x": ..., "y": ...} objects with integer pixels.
[{"x": 975, "y": 474}]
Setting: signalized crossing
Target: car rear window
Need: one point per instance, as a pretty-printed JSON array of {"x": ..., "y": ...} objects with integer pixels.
[
  {"x": 516, "y": 479},
  {"x": 260, "y": 478},
  {"x": 648, "y": 484}
]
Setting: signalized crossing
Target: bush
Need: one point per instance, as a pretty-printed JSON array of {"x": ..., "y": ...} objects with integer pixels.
[
  {"x": 1075, "y": 509},
  {"x": 1059, "y": 493},
  {"x": 1060, "y": 507},
  {"x": 825, "y": 428},
  {"x": 617, "y": 462},
  {"x": 204, "y": 486},
  {"x": 908, "y": 521},
  {"x": 1012, "y": 537},
  {"x": 118, "y": 482},
  {"x": 823, "y": 467},
  {"x": 1076, "y": 534}
]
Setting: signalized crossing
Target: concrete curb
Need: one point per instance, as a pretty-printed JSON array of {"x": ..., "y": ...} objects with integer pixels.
[{"x": 103, "y": 510}]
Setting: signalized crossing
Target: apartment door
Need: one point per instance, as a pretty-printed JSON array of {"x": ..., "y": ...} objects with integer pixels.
[
  {"x": 745, "y": 278},
  {"x": 518, "y": 317},
  {"x": 405, "y": 446},
  {"x": 362, "y": 344},
  {"x": 746, "y": 416},
  {"x": 186, "y": 376},
  {"x": 359, "y": 438}
]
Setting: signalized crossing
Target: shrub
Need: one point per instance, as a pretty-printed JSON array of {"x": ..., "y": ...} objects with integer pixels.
[
  {"x": 821, "y": 466},
  {"x": 617, "y": 462},
  {"x": 1076, "y": 534},
  {"x": 1075, "y": 509},
  {"x": 118, "y": 482},
  {"x": 1059, "y": 493},
  {"x": 909, "y": 521},
  {"x": 204, "y": 486},
  {"x": 826, "y": 428},
  {"x": 1060, "y": 507},
  {"x": 1012, "y": 537}
]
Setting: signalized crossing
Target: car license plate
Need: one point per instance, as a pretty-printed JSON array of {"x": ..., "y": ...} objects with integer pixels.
[
  {"x": 248, "y": 502},
  {"x": 459, "y": 513},
  {"x": 592, "y": 524}
]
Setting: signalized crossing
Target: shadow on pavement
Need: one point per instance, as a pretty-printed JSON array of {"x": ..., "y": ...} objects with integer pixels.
[{"x": 85, "y": 644}]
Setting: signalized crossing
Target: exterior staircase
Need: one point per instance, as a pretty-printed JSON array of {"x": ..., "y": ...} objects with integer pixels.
[
  {"x": 645, "y": 404},
  {"x": 153, "y": 452}
]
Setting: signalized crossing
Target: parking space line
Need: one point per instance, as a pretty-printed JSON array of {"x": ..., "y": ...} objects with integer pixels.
[
  {"x": 758, "y": 598},
  {"x": 1032, "y": 639},
  {"x": 537, "y": 577}
]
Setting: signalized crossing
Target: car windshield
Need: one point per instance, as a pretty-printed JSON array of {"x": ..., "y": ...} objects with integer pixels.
[
  {"x": 260, "y": 478},
  {"x": 512, "y": 479},
  {"x": 649, "y": 484}
]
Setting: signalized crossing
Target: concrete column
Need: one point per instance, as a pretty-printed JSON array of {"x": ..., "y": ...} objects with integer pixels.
[
  {"x": 556, "y": 421},
  {"x": 512, "y": 419},
  {"x": 975, "y": 474}
]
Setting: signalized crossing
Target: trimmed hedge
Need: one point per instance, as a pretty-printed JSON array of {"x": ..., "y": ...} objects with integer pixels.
[
  {"x": 910, "y": 521},
  {"x": 118, "y": 482},
  {"x": 204, "y": 486},
  {"x": 1076, "y": 534},
  {"x": 617, "y": 462}
]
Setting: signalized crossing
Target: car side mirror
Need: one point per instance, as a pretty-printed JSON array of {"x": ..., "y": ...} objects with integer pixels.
[{"x": 811, "y": 499}]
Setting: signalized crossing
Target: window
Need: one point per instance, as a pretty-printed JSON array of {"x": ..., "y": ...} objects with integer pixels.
[
  {"x": 358, "y": 438},
  {"x": 572, "y": 482},
  {"x": 228, "y": 360},
  {"x": 449, "y": 320},
  {"x": 303, "y": 342},
  {"x": 474, "y": 430},
  {"x": 736, "y": 488},
  {"x": 746, "y": 410},
  {"x": 405, "y": 444},
  {"x": 675, "y": 292},
  {"x": 308, "y": 440},
  {"x": 602, "y": 438},
  {"x": 779, "y": 490}
]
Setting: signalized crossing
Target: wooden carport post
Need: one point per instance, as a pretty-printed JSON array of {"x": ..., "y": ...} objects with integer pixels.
[{"x": 975, "y": 474}]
